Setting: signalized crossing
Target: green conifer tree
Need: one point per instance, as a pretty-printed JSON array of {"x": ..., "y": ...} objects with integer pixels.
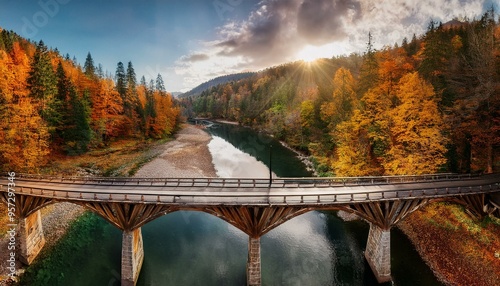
[{"x": 42, "y": 84}]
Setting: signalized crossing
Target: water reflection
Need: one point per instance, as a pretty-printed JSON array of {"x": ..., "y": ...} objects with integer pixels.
[
  {"x": 230, "y": 162},
  {"x": 298, "y": 253}
]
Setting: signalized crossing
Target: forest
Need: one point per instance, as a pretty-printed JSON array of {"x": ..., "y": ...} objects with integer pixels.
[
  {"x": 429, "y": 104},
  {"x": 49, "y": 104}
]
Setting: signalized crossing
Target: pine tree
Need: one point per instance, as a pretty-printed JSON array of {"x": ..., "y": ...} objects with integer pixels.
[
  {"x": 89, "y": 68},
  {"x": 132, "y": 107},
  {"x": 74, "y": 129},
  {"x": 42, "y": 83},
  {"x": 368, "y": 75},
  {"x": 131, "y": 77},
  {"x": 160, "y": 85},
  {"x": 121, "y": 80},
  {"x": 100, "y": 71},
  {"x": 78, "y": 134}
]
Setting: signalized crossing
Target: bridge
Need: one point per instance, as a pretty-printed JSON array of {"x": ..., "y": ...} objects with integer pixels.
[{"x": 255, "y": 206}]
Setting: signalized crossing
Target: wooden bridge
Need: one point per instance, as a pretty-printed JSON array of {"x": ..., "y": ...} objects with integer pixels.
[{"x": 255, "y": 206}]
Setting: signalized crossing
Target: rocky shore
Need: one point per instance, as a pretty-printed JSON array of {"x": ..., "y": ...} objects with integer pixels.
[{"x": 56, "y": 219}]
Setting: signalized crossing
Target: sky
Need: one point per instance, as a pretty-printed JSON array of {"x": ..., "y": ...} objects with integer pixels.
[{"x": 189, "y": 42}]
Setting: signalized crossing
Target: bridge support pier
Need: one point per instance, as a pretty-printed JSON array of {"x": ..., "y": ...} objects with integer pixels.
[
  {"x": 378, "y": 252},
  {"x": 253, "y": 263},
  {"x": 31, "y": 238},
  {"x": 132, "y": 256}
]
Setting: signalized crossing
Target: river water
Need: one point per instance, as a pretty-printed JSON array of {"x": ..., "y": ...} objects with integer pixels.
[{"x": 194, "y": 248}]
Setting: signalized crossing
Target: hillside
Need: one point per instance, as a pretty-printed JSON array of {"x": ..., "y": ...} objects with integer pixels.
[
  {"x": 71, "y": 109},
  {"x": 428, "y": 105},
  {"x": 216, "y": 81}
]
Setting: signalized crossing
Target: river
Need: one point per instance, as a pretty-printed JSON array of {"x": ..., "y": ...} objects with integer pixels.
[{"x": 194, "y": 248}]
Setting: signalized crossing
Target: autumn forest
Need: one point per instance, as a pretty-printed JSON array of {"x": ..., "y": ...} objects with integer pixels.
[
  {"x": 429, "y": 104},
  {"x": 49, "y": 104}
]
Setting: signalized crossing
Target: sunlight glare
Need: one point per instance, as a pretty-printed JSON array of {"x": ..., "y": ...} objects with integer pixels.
[{"x": 311, "y": 53}]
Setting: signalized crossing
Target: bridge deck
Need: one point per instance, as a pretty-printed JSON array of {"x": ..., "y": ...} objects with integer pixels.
[{"x": 232, "y": 191}]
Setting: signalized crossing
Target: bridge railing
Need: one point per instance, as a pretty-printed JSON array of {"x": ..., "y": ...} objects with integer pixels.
[
  {"x": 312, "y": 182},
  {"x": 133, "y": 195}
]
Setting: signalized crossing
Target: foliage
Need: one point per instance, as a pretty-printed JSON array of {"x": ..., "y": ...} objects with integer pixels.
[
  {"x": 431, "y": 105},
  {"x": 49, "y": 104},
  {"x": 460, "y": 249}
]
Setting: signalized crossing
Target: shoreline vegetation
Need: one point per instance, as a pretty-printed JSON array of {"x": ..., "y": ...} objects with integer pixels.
[{"x": 459, "y": 250}]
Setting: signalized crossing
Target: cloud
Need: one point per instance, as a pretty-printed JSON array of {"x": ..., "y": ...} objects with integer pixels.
[
  {"x": 265, "y": 34},
  {"x": 195, "y": 58},
  {"x": 321, "y": 21},
  {"x": 278, "y": 31}
]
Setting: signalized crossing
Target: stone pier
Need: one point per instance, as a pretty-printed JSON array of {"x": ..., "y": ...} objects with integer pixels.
[
  {"x": 378, "y": 252},
  {"x": 253, "y": 263},
  {"x": 30, "y": 237},
  {"x": 132, "y": 256}
]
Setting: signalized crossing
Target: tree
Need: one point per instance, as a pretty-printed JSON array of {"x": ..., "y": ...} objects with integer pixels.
[
  {"x": 75, "y": 128},
  {"x": 353, "y": 153},
  {"x": 418, "y": 145},
  {"x": 24, "y": 137},
  {"x": 475, "y": 112},
  {"x": 131, "y": 106},
  {"x": 368, "y": 74},
  {"x": 78, "y": 133},
  {"x": 121, "y": 80},
  {"x": 107, "y": 109},
  {"x": 42, "y": 83},
  {"x": 160, "y": 85},
  {"x": 131, "y": 77},
  {"x": 344, "y": 99},
  {"x": 89, "y": 68}
]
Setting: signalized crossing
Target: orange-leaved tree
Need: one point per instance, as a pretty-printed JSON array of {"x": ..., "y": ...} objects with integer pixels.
[
  {"x": 417, "y": 143},
  {"x": 24, "y": 135}
]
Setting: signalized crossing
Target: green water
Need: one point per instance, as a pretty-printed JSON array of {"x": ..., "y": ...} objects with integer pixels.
[{"x": 193, "y": 248}]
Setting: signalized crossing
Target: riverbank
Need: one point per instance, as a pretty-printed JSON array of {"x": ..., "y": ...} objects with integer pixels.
[
  {"x": 458, "y": 249},
  {"x": 56, "y": 219},
  {"x": 185, "y": 156}
]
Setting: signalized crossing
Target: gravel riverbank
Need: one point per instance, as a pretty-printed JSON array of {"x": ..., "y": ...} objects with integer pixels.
[
  {"x": 56, "y": 219},
  {"x": 185, "y": 157}
]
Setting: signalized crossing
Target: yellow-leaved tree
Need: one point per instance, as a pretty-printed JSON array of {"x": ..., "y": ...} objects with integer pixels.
[
  {"x": 417, "y": 143},
  {"x": 344, "y": 99},
  {"x": 354, "y": 155}
]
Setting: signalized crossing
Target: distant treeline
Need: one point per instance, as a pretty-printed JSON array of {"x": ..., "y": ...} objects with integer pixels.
[
  {"x": 215, "y": 82},
  {"x": 50, "y": 104},
  {"x": 427, "y": 105}
]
